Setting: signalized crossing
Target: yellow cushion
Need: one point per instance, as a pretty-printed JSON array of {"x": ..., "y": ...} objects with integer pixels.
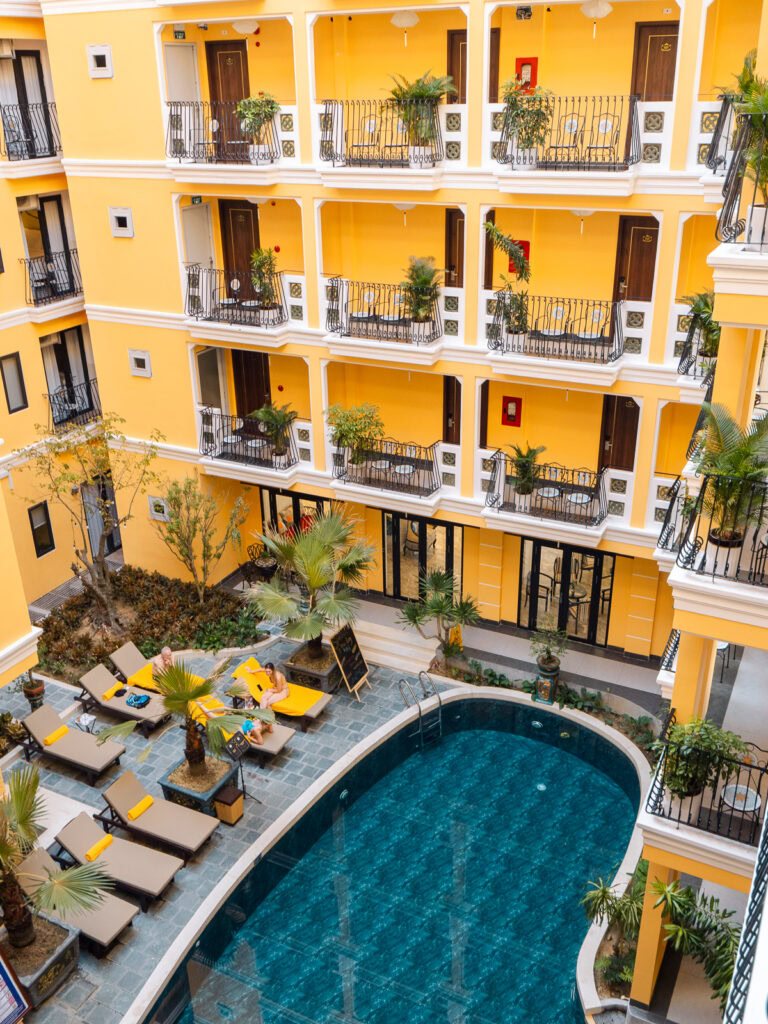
[
  {"x": 51, "y": 738},
  {"x": 143, "y": 678},
  {"x": 299, "y": 700},
  {"x": 138, "y": 809},
  {"x": 110, "y": 693},
  {"x": 99, "y": 847}
]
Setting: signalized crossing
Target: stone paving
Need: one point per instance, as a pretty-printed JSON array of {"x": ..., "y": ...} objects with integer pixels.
[{"x": 101, "y": 991}]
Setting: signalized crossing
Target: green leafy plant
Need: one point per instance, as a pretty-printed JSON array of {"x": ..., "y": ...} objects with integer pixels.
[
  {"x": 515, "y": 308},
  {"x": 256, "y": 112},
  {"x": 617, "y": 969},
  {"x": 702, "y": 305},
  {"x": 506, "y": 244},
  {"x": 355, "y": 428},
  {"x": 439, "y": 606},
  {"x": 603, "y": 902},
  {"x": 639, "y": 730},
  {"x": 327, "y": 559},
  {"x": 277, "y": 421},
  {"x": 263, "y": 270},
  {"x": 589, "y": 701},
  {"x": 547, "y": 645},
  {"x": 745, "y": 79},
  {"x": 416, "y": 102},
  {"x": 527, "y": 112},
  {"x": 753, "y": 104},
  {"x": 421, "y": 288},
  {"x": 240, "y": 630},
  {"x": 22, "y": 813},
  {"x": 698, "y": 754},
  {"x": 524, "y": 461}
]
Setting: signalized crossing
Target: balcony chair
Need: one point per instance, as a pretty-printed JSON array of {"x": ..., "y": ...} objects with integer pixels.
[
  {"x": 570, "y": 140},
  {"x": 551, "y": 325},
  {"x": 602, "y": 140},
  {"x": 544, "y": 590},
  {"x": 362, "y": 144}
]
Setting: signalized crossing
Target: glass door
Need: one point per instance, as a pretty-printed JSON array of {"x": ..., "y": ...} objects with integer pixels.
[{"x": 414, "y": 547}]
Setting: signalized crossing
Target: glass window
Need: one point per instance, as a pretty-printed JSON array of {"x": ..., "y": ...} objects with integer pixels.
[
  {"x": 42, "y": 534},
  {"x": 13, "y": 382},
  {"x": 458, "y": 558},
  {"x": 210, "y": 382}
]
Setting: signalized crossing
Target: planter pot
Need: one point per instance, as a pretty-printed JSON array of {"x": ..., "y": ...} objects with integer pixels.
[
  {"x": 684, "y": 810},
  {"x": 420, "y": 328},
  {"x": 756, "y": 229},
  {"x": 526, "y": 158},
  {"x": 734, "y": 541},
  {"x": 324, "y": 675},
  {"x": 203, "y": 802},
  {"x": 35, "y": 694},
  {"x": 420, "y": 156},
  {"x": 517, "y": 339},
  {"x": 549, "y": 669},
  {"x": 52, "y": 974}
]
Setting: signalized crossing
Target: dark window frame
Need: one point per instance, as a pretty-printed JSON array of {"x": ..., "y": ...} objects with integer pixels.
[
  {"x": 40, "y": 551},
  {"x": 17, "y": 357}
]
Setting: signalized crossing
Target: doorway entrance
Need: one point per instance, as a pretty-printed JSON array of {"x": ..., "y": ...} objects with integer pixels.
[
  {"x": 250, "y": 372},
  {"x": 414, "y": 547},
  {"x": 228, "y": 84},
  {"x": 457, "y": 64},
  {"x": 568, "y": 588},
  {"x": 636, "y": 258},
  {"x": 653, "y": 67},
  {"x": 98, "y": 500},
  {"x": 31, "y": 136},
  {"x": 454, "y": 248},
  {"x": 618, "y": 433},
  {"x": 284, "y": 510}
]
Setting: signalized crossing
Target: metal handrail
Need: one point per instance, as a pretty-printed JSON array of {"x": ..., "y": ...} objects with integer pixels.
[
  {"x": 669, "y": 655},
  {"x": 232, "y": 297},
  {"x": 745, "y": 956},
  {"x": 693, "y": 361},
  {"x": 242, "y": 439},
  {"x": 212, "y": 131},
  {"x": 744, "y": 215},
  {"x": 30, "y": 130},
  {"x": 381, "y": 133},
  {"x": 547, "y": 491},
  {"x": 585, "y": 330},
  {"x": 53, "y": 277},
  {"x": 390, "y": 465},
  {"x": 673, "y": 528},
  {"x": 722, "y": 138},
  {"x": 383, "y": 312},
  {"x": 74, "y": 404}
]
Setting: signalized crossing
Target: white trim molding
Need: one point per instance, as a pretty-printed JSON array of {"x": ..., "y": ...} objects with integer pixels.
[
  {"x": 738, "y": 272},
  {"x": 726, "y": 600},
  {"x": 30, "y": 168},
  {"x": 20, "y": 649},
  {"x": 697, "y": 845}
]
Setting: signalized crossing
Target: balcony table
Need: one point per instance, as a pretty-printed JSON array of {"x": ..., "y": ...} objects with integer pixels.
[
  {"x": 406, "y": 469},
  {"x": 741, "y": 798},
  {"x": 579, "y": 498},
  {"x": 549, "y": 492}
]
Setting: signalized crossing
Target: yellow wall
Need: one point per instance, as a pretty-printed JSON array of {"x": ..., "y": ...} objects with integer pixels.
[
  {"x": 290, "y": 373},
  {"x": 694, "y": 275},
  {"x": 14, "y": 622},
  {"x": 731, "y": 32},
  {"x": 398, "y": 394},
  {"x": 675, "y": 429}
]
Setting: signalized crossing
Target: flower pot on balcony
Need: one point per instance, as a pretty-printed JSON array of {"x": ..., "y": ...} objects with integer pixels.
[
  {"x": 756, "y": 229},
  {"x": 420, "y": 329},
  {"x": 516, "y": 340},
  {"x": 525, "y": 158},
  {"x": 684, "y": 810},
  {"x": 420, "y": 156},
  {"x": 726, "y": 538}
]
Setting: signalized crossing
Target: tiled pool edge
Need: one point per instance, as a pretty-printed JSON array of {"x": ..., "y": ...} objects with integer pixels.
[{"x": 143, "y": 1003}]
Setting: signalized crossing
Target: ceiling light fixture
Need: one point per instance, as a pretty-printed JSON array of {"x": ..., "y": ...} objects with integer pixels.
[
  {"x": 595, "y": 9},
  {"x": 404, "y": 20}
]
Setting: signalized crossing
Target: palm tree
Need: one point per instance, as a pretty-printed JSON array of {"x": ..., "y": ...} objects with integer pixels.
[
  {"x": 325, "y": 558},
  {"x": 62, "y": 891}
]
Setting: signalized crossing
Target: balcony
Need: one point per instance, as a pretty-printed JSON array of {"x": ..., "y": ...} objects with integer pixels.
[
  {"x": 740, "y": 995},
  {"x": 231, "y": 297},
  {"x": 547, "y": 491},
  {"x": 381, "y": 133},
  {"x": 675, "y": 522},
  {"x": 237, "y": 439},
  {"x": 721, "y": 146},
  {"x": 74, "y": 405},
  {"x": 52, "y": 278},
  {"x": 209, "y": 132},
  {"x": 389, "y": 465},
  {"x": 382, "y": 312},
  {"x": 697, "y": 360},
  {"x": 584, "y": 330},
  {"x": 581, "y": 133},
  {"x": 30, "y": 131},
  {"x": 743, "y": 219}
]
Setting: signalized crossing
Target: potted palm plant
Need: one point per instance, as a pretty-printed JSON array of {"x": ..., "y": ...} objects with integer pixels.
[
  {"x": 524, "y": 461},
  {"x": 421, "y": 291},
  {"x": 354, "y": 429},
  {"x": 701, "y": 305},
  {"x": 50, "y": 948},
  {"x": 263, "y": 270},
  {"x": 527, "y": 116},
  {"x": 256, "y": 113},
  {"x": 325, "y": 558},
  {"x": 416, "y": 104},
  {"x": 276, "y": 421}
]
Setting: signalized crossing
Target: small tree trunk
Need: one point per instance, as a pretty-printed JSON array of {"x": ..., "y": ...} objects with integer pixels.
[
  {"x": 315, "y": 647},
  {"x": 194, "y": 750},
  {"x": 17, "y": 916}
]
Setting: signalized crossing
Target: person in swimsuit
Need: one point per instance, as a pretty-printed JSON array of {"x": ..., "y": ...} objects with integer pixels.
[
  {"x": 279, "y": 687},
  {"x": 251, "y": 728}
]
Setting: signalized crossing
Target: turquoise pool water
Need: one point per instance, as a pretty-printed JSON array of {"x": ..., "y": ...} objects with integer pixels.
[{"x": 448, "y": 891}]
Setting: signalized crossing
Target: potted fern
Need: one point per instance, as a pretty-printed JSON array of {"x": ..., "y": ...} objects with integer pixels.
[
  {"x": 416, "y": 104},
  {"x": 276, "y": 422},
  {"x": 263, "y": 270},
  {"x": 256, "y": 113},
  {"x": 421, "y": 291},
  {"x": 527, "y": 116},
  {"x": 524, "y": 461}
]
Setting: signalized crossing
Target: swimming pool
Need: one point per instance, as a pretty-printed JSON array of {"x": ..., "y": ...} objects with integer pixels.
[{"x": 425, "y": 887}]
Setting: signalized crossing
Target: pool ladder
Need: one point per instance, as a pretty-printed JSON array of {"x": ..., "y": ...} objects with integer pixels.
[{"x": 430, "y": 724}]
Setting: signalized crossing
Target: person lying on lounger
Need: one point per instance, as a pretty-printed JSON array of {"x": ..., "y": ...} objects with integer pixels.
[
  {"x": 252, "y": 728},
  {"x": 279, "y": 687}
]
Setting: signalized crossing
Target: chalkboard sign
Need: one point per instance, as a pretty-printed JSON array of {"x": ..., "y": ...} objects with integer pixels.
[
  {"x": 350, "y": 658},
  {"x": 13, "y": 1005},
  {"x": 237, "y": 746}
]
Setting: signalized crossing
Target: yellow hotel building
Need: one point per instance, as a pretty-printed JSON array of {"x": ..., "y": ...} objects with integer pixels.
[{"x": 130, "y": 203}]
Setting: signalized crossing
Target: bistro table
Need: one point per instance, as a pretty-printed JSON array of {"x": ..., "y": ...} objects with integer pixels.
[{"x": 579, "y": 498}]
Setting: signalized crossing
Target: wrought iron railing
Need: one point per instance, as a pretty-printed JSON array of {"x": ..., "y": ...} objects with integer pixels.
[
  {"x": 211, "y": 132},
  {"x": 674, "y": 525},
  {"x": 384, "y": 312},
  {"x": 390, "y": 465},
  {"x": 586, "y": 330},
  {"x": 669, "y": 654},
  {"x": 581, "y": 133},
  {"x": 721, "y": 146},
  {"x": 232, "y": 297},
  {"x": 745, "y": 956},
  {"x": 547, "y": 491},
  {"x": 381, "y": 133},
  {"x": 30, "y": 130},
  {"x": 54, "y": 277},
  {"x": 726, "y": 536},
  {"x": 744, "y": 214},
  {"x": 697, "y": 358},
  {"x": 242, "y": 439},
  {"x": 74, "y": 404},
  {"x": 729, "y": 798}
]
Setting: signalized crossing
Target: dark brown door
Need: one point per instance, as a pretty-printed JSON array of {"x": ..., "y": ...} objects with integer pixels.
[
  {"x": 653, "y": 68},
  {"x": 490, "y": 218},
  {"x": 618, "y": 435},
  {"x": 227, "y": 70},
  {"x": 454, "y": 249},
  {"x": 239, "y": 235},
  {"x": 251, "y": 375},
  {"x": 483, "y": 432},
  {"x": 457, "y": 64},
  {"x": 451, "y": 410},
  {"x": 636, "y": 258},
  {"x": 493, "y": 66}
]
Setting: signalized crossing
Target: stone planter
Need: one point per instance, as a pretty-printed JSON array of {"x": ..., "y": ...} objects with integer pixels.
[
  {"x": 191, "y": 798},
  {"x": 327, "y": 678},
  {"x": 57, "y": 968},
  {"x": 549, "y": 670}
]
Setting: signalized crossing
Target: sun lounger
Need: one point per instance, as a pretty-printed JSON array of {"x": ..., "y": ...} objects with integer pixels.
[
  {"x": 98, "y": 694},
  {"x": 274, "y": 741},
  {"x": 181, "y": 829},
  {"x": 133, "y": 666},
  {"x": 139, "y": 870},
  {"x": 50, "y": 735},
  {"x": 302, "y": 702},
  {"x": 99, "y": 926}
]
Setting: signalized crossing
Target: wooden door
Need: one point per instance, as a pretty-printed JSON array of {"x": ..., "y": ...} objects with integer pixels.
[
  {"x": 454, "y": 249},
  {"x": 227, "y": 71},
  {"x": 493, "y": 66},
  {"x": 490, "y": 218},
  {"x": 239, "y": 235},
  {"x": 482, "y": 438},
  {"x": 451, "y": 410},
  {"x": 636, "y": 258},
  {"x": 618, "y": 435},
  {"x": 457, "y": 64},
  {"x": 250, "y": 371},
  {"x": 653, "y": 67}
]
